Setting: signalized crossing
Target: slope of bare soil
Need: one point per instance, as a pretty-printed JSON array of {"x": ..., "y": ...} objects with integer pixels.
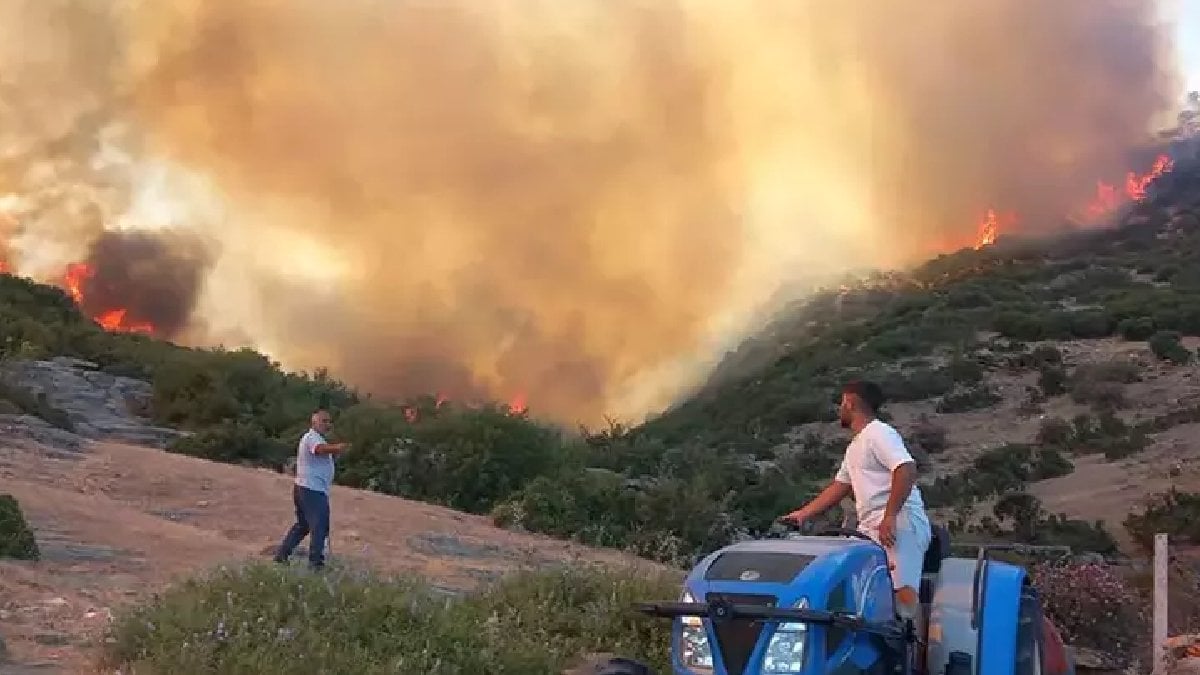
[{"x": 117, "y": 522}]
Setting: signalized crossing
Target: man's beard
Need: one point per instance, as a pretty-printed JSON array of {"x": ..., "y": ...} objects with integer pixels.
[{"x": 845, "y": 421}]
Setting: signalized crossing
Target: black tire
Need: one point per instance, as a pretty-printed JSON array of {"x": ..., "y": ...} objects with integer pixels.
[{"x": 622, "y": 666}]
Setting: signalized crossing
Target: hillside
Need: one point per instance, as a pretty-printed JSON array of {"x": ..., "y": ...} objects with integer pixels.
[
  {"x": 1048, "y": 387},
  {"x": 1065, "y": 367}
]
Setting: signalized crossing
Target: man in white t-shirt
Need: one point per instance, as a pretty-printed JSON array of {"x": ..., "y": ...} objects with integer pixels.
[
  {"x": 881, "y": 474},
  {"x": 310, "y": 492}
]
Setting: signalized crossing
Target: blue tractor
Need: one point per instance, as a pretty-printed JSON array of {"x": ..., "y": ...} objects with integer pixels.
[{"x": 823, "y": 604}]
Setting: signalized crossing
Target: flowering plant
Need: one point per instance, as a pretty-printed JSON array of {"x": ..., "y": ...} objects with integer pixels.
[{"x": 1091, "y": 605}]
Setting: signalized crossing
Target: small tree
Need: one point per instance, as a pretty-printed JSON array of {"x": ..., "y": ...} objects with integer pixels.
[
  {"x": 1136, "y": 329},
  {"x": 1023, "y": 510},
  {"x": 16, "y": 539},
  {"x": 1166, "y": 346},
  {"x": 1052, "y": 380}
]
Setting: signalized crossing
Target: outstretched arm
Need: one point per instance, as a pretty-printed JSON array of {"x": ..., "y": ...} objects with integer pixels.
[
  {"x": 328, "y": 448},
  {"x": 835, "y": 492}
]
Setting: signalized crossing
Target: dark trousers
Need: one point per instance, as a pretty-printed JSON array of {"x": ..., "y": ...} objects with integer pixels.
[{"x": 312, "y": 517}]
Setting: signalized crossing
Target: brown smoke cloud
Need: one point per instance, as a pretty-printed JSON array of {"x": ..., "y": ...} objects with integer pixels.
[
  {"x": 152, "y": 278},
  {"x": 580, "y": 200}
]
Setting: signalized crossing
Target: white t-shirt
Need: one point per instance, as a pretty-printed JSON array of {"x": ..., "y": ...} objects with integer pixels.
[
  {"x": 867, "y": 468},
  {"x": 313, "y": 471}
]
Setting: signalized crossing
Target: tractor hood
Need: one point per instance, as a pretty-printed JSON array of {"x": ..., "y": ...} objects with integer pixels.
[{"x": 826, "y": 573}]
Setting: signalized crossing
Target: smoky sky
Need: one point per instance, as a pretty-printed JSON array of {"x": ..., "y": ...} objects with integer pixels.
[{"x": 575, "y": 201}]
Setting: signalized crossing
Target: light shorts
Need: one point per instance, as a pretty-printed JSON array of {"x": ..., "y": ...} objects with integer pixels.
[{"x": 907, "y": 556}]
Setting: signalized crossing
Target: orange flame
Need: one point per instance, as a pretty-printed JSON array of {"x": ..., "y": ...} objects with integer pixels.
[
  {"x": 77, "y": 273},
  {"x": 113, "y": 320},
  {"x": 517, "y": 405},
  {"x": 1107, "y": 200}
]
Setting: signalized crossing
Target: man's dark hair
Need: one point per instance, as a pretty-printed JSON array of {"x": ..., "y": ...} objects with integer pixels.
[{"x": 868, "y": 392}]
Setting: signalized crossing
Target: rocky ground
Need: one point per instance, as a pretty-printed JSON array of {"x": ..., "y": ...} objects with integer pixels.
[
  {"x": 100, "y": 406},
  {"x": 117, "y": 521}
]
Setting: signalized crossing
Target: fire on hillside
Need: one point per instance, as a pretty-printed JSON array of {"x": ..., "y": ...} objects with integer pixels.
[{"x": 1107, "y": 201}]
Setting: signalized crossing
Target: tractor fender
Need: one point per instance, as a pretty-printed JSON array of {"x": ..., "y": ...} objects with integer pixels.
[{"x": 975, "y": 616}]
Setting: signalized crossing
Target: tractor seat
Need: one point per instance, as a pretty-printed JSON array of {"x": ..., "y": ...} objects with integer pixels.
[{"x": 939, "y": 549}]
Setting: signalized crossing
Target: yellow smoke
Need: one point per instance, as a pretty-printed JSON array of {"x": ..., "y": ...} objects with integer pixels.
[{"x": 578, "y": 200}]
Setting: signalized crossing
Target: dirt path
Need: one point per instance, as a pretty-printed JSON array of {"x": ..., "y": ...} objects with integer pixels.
[{"x": 117, "y": 522}]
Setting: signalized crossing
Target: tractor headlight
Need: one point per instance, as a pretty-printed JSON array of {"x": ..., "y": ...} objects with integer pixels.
[
  {"x": 785, "y": 652},
  {"x": 694, "y": 650}
]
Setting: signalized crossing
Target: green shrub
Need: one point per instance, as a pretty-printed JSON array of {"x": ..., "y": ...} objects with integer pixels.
[
  {"x": 1167, "y": 347},
  {"x": 1089, "y": 324},
  {"x": 1044, "y": 355},
  {"x": 918, "y": 385},
  {"x": 964, "y": 370},
  {"x": 1174, "y": 513},
  {"x": 465, "y": 458},
  {"x": 1136, "y": 329},
  {"x": 1079, "y": 535},
  {"x": 975, "y": 398},
  {"x": 1032, "y": 326},
  {"x": 1055, "y": 432},
  {"x": 234, "y": 442},
  {"x": 16, "y": 538},
  {"x": 1007, "y": 468},
  {"x": 1052, "y": 380},
  {"x": 262, "y": 620},
  {"x": 928, "y": 436},
  {"x": 1102, "y": 385}
]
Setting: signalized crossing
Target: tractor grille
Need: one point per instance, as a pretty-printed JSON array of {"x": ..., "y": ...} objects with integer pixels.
[
  {"x": 736, "y": 638},
  {"x": 762, "y": 566}
]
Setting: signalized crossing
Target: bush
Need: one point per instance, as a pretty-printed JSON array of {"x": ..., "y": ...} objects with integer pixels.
[
  {"x": 1046, "y": 355},
  {"x": 16, "y": 538},
  {"x": 964, "y": 370},
  {"x": 234, "y": 442},
  {"x": 264, "y": 620},
  {"x": 1089, "y": 324},
  {"x": 1092, "y": 606},
  {"x": 1102, "y": 385},
  {"x": 1136, "y": 329},
  {"x": 465, "y": 458},
  {"x": 928, "y": 436},
  {"x": 1167, "y": 347},
  {"x": 1055, "y": 432},
  {"x": 1172, "y": 512},
  {"x": 1052, "y": 380},
  {"x": 918, "y": 385},
  {"x": 1079, "y": 535},
  {"x": 975, "y": 398}
]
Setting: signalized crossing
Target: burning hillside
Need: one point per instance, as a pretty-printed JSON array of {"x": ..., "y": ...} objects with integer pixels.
[
  {"x": 1108, "y": 200},
  {"x": 484, "y": 200}
]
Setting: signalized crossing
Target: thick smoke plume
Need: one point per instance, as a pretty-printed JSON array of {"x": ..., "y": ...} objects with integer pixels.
[
  {"x": 574, "y": 200},
  {"x": 153, "y": 279}
]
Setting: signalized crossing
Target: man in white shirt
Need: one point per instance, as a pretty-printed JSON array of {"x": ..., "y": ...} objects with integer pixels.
[
  {"x": 310, "y": 494},
  {"x": 881, "y": 474}
]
